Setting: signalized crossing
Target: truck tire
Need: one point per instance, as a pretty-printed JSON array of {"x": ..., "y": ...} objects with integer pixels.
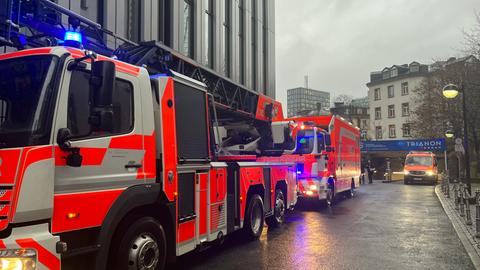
[
  {"x": 140, "y": 245},
  {"x": 279, "y": 210},
  {"x": 254, "y": 217}
]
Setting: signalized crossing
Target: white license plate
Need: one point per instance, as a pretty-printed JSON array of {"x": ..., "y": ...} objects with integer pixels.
[{"x": 417, "y": 178}]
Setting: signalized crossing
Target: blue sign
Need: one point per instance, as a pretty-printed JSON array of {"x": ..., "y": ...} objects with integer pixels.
[{"x": 433, "y": 145}]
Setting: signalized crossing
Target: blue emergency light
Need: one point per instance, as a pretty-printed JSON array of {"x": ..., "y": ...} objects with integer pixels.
[
  {"x": 73, "y": 39},
  {"x": 73, "y": 36}
]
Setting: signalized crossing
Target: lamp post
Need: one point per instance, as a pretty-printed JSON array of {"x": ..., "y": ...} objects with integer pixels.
[
  {"x": 449, "y": 134},
  {"x": 451, "y": 91}
]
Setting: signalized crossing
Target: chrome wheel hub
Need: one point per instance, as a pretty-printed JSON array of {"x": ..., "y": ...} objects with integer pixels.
[{"x": 144, "y": 253}]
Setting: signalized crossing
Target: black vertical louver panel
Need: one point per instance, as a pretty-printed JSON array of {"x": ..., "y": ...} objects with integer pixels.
[
  {"x": 191, "y": 122},
  {"x": 186, "y": 196}
]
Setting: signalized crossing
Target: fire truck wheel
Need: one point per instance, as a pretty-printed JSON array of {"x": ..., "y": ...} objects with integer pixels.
[
  {"x": 279, "y": 210},
  {"x": 142, "y": 245},
  {"x": 254, "y": 217}
]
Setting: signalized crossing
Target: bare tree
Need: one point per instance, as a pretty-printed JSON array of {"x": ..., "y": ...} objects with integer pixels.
[{"x": 472, "y": 38}]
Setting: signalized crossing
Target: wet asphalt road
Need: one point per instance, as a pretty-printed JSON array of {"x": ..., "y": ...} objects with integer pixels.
[{"x": 386, "y": 226}]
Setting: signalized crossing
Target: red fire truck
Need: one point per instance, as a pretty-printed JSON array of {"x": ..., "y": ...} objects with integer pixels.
[
  {"x": 124, "y": 162},
  {"x": 326, "y": 150}
]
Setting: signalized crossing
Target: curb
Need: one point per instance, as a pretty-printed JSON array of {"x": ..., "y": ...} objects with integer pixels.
[
  {"x": 392, "y": 181},
  {"x": 461, "y": 229}
]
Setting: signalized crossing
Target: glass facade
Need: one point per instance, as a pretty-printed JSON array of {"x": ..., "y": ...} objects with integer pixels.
[
  {"x": 208, "y": 38},
  {"x": 187, "y": 24},
  {"x": 302, "y": 99},
  {"x": 235, "y": 38}
]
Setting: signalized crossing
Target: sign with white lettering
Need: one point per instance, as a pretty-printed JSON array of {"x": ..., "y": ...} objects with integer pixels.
[{"x": 434, "y": 145}]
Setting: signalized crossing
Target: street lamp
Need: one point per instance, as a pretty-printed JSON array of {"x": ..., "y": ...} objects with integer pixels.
[
  {"x": 451, "y": 91},
  {"x": 449, "y": 134}
]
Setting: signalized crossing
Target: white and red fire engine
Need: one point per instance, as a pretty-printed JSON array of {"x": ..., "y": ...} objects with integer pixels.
[
  {"x": 326, "y": 150},
  {"x": 121, "y": 162}
]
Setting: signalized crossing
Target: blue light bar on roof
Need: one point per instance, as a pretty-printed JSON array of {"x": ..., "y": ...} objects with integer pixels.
[{"x": 73, "y": 36}]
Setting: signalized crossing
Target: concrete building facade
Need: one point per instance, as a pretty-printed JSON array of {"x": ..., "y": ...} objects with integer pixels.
[
  {"x": 305, "y": 101},
  {"x": 235, "y": 38},
  {"x": 391, "y": 100},
  {"x": 357, "y": 114}
]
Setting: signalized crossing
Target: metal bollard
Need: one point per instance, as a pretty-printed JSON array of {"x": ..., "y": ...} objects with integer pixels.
[
  {"x": 477, "y": 214},
  {"x": 462, "y": 202},
  {"x": 468, "y": 217},
  {"x": 455, "y": 195},
  {"x": 447, "y": 195}
]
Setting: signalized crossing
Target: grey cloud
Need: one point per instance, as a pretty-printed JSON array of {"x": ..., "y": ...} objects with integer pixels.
[{"x": 337, "y": 43}]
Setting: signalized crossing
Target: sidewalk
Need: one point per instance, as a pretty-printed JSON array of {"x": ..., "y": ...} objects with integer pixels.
[{"x": 465, "y": 232}]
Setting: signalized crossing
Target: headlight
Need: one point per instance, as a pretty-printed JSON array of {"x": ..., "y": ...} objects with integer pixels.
[
  {"x": 309, "y": 193},
  {"x": 313, "y": 187},
  {"x": 18, "y": 259},
  {"x": 430, "y": 173},
  {"x": 405, "y": 172}
]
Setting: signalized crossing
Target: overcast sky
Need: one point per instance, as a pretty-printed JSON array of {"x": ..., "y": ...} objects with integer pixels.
[{"x": 339, "y": 42}]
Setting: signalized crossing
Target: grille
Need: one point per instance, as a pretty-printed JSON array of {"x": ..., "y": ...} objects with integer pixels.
[
  {"x": 417, "y": 172},
  {"x": 218, "y": 216}
]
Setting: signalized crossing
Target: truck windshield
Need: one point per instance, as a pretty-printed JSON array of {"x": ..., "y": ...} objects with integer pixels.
[
  {"x": 419, "y": 160},
  {"x": 305, "y": 142},
  {"x": 26, "y": 95}
]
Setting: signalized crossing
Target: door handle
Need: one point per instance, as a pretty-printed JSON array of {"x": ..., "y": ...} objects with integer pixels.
[{"x": 133, "y": 165}]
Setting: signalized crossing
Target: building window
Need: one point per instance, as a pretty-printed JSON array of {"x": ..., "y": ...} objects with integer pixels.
[
  {"x": 208, "y": 39},
  {"x": 254, "y": 44},
  {"x": 364, "y": 124},
  {"x": 405, "y": 109},
  {"x": 414, "y": 68},
  {"x": 187, "y": 21},
  {"x": 378, "y": 132},
  {"x": 404, "y": 88},
  {"x": 227, "y": 37},
  {"x": 164, "y": 22},
  {"x": 391, "y": 111},
  {"x": 134, "y": 20},
  {"x": 265, "y": 45},
  {"x": 378, "y": 113},
  {"x": 241, "y": 40},
  {"x": 391, "y": 131},
  {"x": 406, "y": 130},
  {"x": 394, "y": 72},
  {"x": 386, "y": 74},
  {"x": 377, "y": 94},
  {"x": 391, "y": 91}
]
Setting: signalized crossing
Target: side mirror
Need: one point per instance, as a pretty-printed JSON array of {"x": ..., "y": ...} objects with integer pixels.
[
  {"x": 102, "y": 87},
  {"x": 63, "y": 138},
  {"x": 73, "y": 159}
]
